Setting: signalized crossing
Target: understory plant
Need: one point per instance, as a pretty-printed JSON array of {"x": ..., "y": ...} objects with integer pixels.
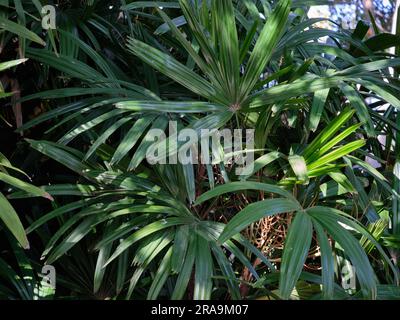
[{"x": 319, "y": 202}]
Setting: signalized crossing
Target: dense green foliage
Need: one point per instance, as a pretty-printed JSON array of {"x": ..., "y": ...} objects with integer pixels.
[{"x": 322, "y": 104}]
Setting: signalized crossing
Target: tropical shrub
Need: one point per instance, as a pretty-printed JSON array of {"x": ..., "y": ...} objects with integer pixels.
[{"x": 314, "y": 203}]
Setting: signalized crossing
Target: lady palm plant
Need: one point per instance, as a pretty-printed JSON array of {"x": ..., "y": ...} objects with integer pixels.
[
  {"x": 7, "y": 214},
  {"x": 187, "y": 231},
  {"x": 135, "y": 212}
]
